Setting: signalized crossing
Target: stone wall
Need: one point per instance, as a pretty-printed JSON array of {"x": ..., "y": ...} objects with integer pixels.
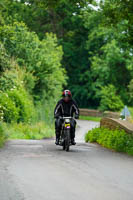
[
  {"x": 92, "y": 113},
  {"x": 97, "y": 113},
  {"x": 117, "y": 124}
]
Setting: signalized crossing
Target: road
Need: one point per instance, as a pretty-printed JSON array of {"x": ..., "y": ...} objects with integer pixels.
[{"x": 39, "y": 170}]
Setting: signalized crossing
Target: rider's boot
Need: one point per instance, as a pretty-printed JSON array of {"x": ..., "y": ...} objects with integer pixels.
[
  {"x": 57, "y": 138},
  {"x": 72, "y": 137},
  {"x": 57, "y": 141},
  {"x": 73, "y": 141}
]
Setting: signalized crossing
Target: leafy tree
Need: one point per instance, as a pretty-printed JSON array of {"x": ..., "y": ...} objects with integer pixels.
[
  {"x": 119, "y": 12},
  {"x": 43, "y": 16},
  {"x": 110, "y": 67},
  {"x": 130, "y": 92},
  {"x": 109, "y": 56},
  {"x": 96, "y": 46},
  {"x": 63, "y": 18},
  {"x": 110, "y": 100},
  {"x": 41, "y": 58}
]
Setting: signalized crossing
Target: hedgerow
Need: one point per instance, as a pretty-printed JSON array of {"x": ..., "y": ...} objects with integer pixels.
[
  {"x": 31, "y": 81},
  {"x": 117, "y": 140},
  {"x": 3, "y": 134}
]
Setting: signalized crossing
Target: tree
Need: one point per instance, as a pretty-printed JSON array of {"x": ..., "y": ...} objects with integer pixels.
[
  {"x": 109, "y": 99},
  {"x": 93, "y": 49},
  {"x": 110, "y": 56},
  {"x": 119, "y": 12},
  {"x": 41, "y": 58}
]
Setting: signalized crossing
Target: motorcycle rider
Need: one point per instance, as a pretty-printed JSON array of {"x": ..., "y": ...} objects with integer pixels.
[{"x": 65, "y": 107}]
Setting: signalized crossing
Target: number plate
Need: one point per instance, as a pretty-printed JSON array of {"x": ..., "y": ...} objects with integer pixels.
[{"x": 67, "y": 125}]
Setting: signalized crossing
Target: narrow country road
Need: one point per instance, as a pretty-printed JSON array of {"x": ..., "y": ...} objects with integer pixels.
[{"x": 39, "y": 170}]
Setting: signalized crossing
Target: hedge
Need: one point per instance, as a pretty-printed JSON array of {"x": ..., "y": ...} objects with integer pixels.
[{"x": 117, "y": 140}]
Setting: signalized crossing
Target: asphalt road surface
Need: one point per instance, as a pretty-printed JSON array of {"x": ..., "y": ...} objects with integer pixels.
[{"x": 39, "y": 170}]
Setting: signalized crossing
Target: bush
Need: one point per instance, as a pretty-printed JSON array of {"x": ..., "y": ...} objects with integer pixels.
[
  {"x": 16, "y": 106},
  {"x": 40, "y": 58},
  {"x": 23, "y": 103},
  {"x": 110, "y": 100},
  {"x": 3, "y": 134},
  {"x": 4, "y": 59},
  {"x": 117, "y": 140},
  {"x": 8, "y": 111}
]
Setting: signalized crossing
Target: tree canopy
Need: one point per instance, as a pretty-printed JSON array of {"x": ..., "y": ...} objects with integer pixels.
[{"x": 69, "y": 44}]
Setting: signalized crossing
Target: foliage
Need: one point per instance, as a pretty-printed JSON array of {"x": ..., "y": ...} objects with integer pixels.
[
  {"x": 115, "y": 13},
  {"x": 9, "y": 112},
  {"x": 45, "y": 110},
  {"x": 117, "y": 140},
  {"x": 110, "y": 100},
  {"x": 130, "y": 87},
  {"x": 110, "y": 66},
  {"x": 62, "y": 18},
  {"x": 41, "y": 58},
  {"x": 110, "y": 57},
  {"x": 131, "y": 111},
  {"x": 16, "y": 105},
  {"x": 30, "y": 68},
  {"x": 3, "y": 134},
  {"x": 4, "y": 58},
  {"x": 96, "y": 119},
  {"x": 23, "y": 103},
  {"x": 44, "y": 42},
  {"x": 43, "y": 16},
  {"x": 39, "y": 130},
  {"x": 94, "y": 53}
]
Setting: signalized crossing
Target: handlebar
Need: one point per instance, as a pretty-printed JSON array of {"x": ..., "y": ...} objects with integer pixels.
[{"x": 66, "y": 117}]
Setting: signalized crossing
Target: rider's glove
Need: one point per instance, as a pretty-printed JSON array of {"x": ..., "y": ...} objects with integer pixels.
[{"x": 76, "y": 116}]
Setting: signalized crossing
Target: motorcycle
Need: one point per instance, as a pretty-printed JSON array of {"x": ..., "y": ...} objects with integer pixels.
[{"x": 65, "y": 140}]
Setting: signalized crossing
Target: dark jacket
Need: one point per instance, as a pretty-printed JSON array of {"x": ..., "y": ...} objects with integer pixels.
[{"x": 66, "y": 109}]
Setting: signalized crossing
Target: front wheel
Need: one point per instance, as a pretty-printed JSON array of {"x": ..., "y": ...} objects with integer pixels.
[
  {"x": 67, "y": 140},
  {"x": 64, "y": 146}
]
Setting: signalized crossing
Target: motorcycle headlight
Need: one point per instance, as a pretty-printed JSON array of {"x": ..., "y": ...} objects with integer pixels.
[{"x": 67, "y": 120}]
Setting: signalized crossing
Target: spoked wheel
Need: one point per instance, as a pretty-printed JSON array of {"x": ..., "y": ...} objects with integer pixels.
[
  {"x": 64, "y": 145},
  {"x": 67, "y": 140}
]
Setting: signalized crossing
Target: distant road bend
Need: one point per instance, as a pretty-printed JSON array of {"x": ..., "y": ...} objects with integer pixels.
[{"x": 39, "y": 170}]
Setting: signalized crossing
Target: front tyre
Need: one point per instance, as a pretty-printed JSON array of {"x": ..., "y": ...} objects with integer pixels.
[
  {"x": 64, "y": 145},
  {"x": 67, "y": 140}
]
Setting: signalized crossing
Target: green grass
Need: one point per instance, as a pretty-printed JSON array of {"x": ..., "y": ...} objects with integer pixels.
[
  {"x": 131, "y": 111},
  {"x": 37, "y": 131},
  {"x": 116, "y": 140},
  {"x": 97, "y": 119}
]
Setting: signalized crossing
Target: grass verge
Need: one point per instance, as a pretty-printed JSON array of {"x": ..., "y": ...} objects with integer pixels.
[
  {"x": 96, "y": 119},
  {"x": 36, "y": 131},
  {"x": 116, "y": 140}
]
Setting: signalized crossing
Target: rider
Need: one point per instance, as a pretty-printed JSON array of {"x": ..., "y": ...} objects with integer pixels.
[{"x": 65, "y": 107}]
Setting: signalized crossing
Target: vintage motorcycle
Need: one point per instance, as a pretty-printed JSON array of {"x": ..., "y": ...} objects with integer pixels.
[{"x": 65, "y": 139}]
